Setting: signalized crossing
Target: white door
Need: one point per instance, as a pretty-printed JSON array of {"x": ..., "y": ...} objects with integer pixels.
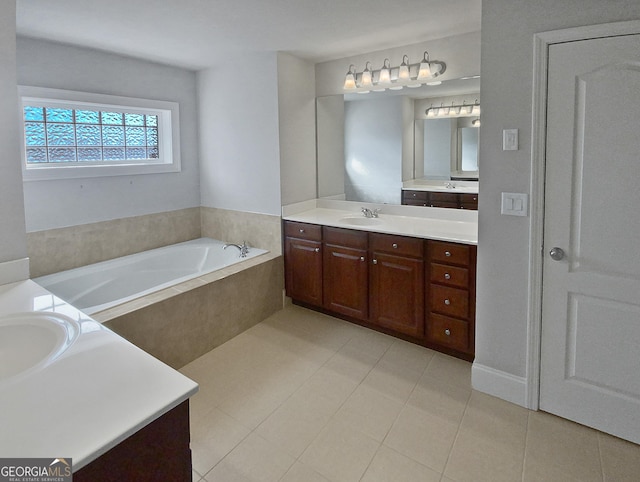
[{"x": 590, "y": 358}]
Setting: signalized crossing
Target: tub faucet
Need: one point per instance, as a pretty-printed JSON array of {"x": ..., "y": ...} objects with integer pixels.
[
  {"x": 368, "y": 213},
  {"x": 244, "y": 248}
]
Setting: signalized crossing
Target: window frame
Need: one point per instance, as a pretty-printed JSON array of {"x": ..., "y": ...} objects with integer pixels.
[{"x": 168, "y": 134}]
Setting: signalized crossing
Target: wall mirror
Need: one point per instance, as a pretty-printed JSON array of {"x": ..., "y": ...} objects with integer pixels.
[{"x": 368, "y": 145}]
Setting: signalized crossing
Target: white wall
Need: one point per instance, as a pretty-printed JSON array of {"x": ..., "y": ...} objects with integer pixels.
[
  {"x": 59, "y": 203},
  {"x": 330, "y": 145},
  {"x": 13, "y": 243},
  {"x": 239, "y": 135},
  {"x": 296, "y": 114},
  {"x": 508, "y": 27},
  {"x": 373, "y": 149}
]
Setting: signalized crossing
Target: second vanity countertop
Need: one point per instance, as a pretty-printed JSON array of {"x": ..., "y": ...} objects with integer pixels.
[
  {"x": 100, "y": 390},
  {"x": 429, "y": 223},
  {"x": 458, "y": 187}
]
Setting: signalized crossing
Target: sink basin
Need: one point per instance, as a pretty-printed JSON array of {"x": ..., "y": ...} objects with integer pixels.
[
  {"x": 32, "y": 340},
  {"x": 360, "y": 221}
]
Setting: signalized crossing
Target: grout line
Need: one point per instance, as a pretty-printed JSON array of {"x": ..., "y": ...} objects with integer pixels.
[
  {"x": 526, "y": 443},
  {"x": 599, "y": 439},
  {"x": 455, "y": 439}
]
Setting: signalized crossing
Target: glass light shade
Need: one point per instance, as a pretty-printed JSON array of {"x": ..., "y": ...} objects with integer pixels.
[
  {"x": 424, "y": 72},
  {"x": 476, "y": 109},
  {"x": 349, "y": 81},
  {"x": 385, "y": 73},
  {"x": 367, "y": 78},
  {"x": 403, "y": 70}
]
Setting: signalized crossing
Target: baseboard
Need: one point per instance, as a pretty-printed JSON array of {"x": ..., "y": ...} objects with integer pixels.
[
  {"x": 15, "y": 270},
  {"x": 499, "y": 384}
]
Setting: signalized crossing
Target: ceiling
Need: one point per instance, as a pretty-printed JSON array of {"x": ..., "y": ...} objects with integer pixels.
[{"x": 197, "y": 34}]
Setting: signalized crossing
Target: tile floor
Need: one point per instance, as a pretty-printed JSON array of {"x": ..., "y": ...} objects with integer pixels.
[{"x": 304, "y": 397}]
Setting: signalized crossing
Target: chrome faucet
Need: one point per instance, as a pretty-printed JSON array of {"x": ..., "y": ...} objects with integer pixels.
[
  {"x": 449, "y": 185},
  {"x": 244, "y": 248},
  {"x": 368, "y": 213}
]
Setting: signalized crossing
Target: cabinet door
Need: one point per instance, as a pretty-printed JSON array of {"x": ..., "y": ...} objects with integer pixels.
[
  {"x": 397, "y": 293},
  {"x": 303, "y": 270},
  {"x": 345, "y": 282}
]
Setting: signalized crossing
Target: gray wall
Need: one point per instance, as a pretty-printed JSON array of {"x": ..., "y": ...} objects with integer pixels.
[
  {"x": 69, "y": 202},
  {"x": 508, "y": 27},
  {"x": 239, "y": 135},
  {"x": 12, "y": 235}
]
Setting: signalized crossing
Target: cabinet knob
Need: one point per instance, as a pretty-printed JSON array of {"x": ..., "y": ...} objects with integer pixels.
[
  {"x": 447, "y": 302},
  {"x": 301, "y": 231},
  {"x": 361, "y": 258},
  {"x": 413, "y": 194},
  {"x": 317, "y": 250},
  {"x": 447, "y": 254},
  {"x": 394, "y": 245},
  {"x": 375, "y": 261},
  {"x": 447, "y": 332},
  {"x": 447, "y": 276}
]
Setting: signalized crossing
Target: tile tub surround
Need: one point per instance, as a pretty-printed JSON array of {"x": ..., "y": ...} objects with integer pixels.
[
  {"x": 260, "y": 230},
  {"x": 180, "y": 323},
  {"x": 306, "y": 397},
  {"x": 60, "y": 249}
]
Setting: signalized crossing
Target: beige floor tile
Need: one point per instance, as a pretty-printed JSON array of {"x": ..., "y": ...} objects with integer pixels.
[
  {"x": 496, "y": 421},
  {"x": 371, "y": 342},
  {"x": 195, "y": 476},
  {"x": 439, "y": 398},
  {"x": 213, "y": 435},
  {"x": 340, "y": 453},
  {"x": 370, "y": 412},
  {"x": 302, "y": 473},
  {"x": 392, "y": 381},
  {"x": 620, "y": 459},
  {"x": 561, "y": 448},
  {"x": 388, "y": 465},
  {"x": 423, "y": 437},
  {"x": 297, "y": 422},
  {"x": 352, "y": 363},
  {"x": 449, "y": 369},
  {"x": 408, "y": 356},
  {"x": 255, "y": 459},
  {"x": 476, "y": 459},
  {"x": 331, "y": 384}
]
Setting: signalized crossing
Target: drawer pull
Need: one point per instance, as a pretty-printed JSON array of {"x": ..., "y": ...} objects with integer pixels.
[
  {"x": 394, "y": 245},
  {"x": 447, "y": 276},
  {"x": 447, "y": 332},
  {"x": 446, "y": 301},
  {"x": 447, "y": 254},
  {"x": 375, "y": 261},
  {"x": 301, "y": 231},
  {"x": 414, "y": 194},
  {"x": 317, "y": 250},
  {"x": 361, "y": 258}
]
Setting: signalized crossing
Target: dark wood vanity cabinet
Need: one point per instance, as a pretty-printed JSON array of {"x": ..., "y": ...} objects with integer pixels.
[
  {"x": 420, "y": 290},
  {"x": 345, "y": 272},
  {"x": 451, "y": 272},
  {"x": 303, "y": 269},
  {"x": 437, "y": 199},
  {"x": 396, "y": 297}
]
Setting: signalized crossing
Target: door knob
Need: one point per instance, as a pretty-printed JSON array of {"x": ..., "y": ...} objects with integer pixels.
[{"x": 556, "y": 253}]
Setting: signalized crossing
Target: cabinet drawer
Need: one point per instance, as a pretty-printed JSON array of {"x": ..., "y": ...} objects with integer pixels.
[
  {"x": 443, "y": 197},
  {"x": 449, "y": 253},
  {"x": 442, "y": 204},
  {"x": 449, "y": 301},
  {"x": 397, "y": 245},
  {"x": 410, "y": 202},
  {"x": 349, "y": 238},
  {"x": 449, "y": 275},
  {"x": 469, "y": 198},
  {"x": 469, "y": 206},
  {"x": 312, "y": 232},
  {"x": 448, "y": 332},
  {"x": 415, "y": 195}
]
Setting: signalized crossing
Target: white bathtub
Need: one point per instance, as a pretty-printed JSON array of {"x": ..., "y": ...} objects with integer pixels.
[{"x": 99, "y": 286}]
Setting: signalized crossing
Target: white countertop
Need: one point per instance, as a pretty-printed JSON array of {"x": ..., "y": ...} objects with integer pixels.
[
  {"x": 460, "y": 187},
  {"x": 439, "y": 228},
  {"x": 98, "y": 392}
]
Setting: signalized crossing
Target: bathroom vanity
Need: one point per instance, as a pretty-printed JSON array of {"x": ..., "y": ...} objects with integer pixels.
[
  {"x": 419, "y": 287},
  {"x": 69, "y": 387}
]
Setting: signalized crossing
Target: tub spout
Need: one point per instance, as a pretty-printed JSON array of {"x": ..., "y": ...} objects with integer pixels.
[{"x": 244, "y": 248}]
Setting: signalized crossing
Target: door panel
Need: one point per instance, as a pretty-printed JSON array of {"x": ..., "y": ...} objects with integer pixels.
[{"x": 590, "y": 309}]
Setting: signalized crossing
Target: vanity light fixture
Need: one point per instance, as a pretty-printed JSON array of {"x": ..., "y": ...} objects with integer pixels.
[
  {"x": 457, "y": 110},
  {"x": 395, "y": 78},
  {"x": 476, "y": 122},
  {"x": 350, "y": 78}
]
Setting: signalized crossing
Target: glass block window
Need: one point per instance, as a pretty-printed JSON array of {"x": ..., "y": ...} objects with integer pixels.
[
  {"x": 56, "y": 135},
  {"x": 63, "y": 131}
]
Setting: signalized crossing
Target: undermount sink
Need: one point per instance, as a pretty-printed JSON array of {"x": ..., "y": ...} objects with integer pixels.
[
  {"x": 360, "y": 221},
  {"x": 31, "y": 340}
]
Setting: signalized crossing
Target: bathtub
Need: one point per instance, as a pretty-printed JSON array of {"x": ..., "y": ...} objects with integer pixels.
[{"x": 100, "y": 286}]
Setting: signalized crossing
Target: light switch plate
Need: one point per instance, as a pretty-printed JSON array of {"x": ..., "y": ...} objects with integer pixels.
[
  {"x": 514, "y": 204},
  {"x": 510, "y": 140}
]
